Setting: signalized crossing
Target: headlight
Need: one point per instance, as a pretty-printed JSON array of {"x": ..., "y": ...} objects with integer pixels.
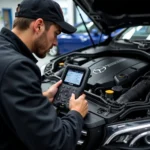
[{"x": 128, "y": 135}]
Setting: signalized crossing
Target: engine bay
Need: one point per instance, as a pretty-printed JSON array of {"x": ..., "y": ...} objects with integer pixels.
[{"x": 118, "y": 96}]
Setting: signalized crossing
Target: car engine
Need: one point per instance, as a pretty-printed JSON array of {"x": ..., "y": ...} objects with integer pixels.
[{"x": 118, "y": 94}]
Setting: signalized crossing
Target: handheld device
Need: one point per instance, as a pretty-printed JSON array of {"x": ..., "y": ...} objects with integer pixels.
[{"x": 74, "y": 79}]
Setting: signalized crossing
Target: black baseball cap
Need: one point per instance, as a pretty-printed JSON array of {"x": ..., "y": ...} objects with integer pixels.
[{"x": 48, "y": 10}]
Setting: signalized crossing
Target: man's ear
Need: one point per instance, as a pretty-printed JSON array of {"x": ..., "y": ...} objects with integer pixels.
[{"x": 38, "y": 25}]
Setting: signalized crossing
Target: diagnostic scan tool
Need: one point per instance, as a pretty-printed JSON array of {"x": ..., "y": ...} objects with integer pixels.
[{"x": 74, "y": 80}]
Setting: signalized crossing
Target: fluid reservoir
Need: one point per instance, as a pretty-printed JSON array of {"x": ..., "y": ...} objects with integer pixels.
[
  {"x": 109, "y": 94},
  {"x": 61, "y": 64}
]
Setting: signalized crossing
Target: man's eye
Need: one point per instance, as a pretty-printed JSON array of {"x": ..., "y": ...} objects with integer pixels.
[{"x": 58, "y": 32}]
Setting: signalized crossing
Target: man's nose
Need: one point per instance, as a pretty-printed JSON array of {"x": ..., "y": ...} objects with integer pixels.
[{"x": 55, "y": 42}]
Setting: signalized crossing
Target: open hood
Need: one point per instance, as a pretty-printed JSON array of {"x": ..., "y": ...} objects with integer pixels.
[{"x": 109, "y": 15}]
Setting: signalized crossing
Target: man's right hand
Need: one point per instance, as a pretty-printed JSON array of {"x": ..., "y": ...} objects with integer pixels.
[{"x": 80, "y": 104}]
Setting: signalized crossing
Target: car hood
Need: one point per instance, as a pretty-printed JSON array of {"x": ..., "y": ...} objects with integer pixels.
[{"x": 109, "y": 15}]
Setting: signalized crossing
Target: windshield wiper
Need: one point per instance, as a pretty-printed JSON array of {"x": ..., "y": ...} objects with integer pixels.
[
  {"x": 141, "y": 44},
  {"x": 135, "y": 42}
]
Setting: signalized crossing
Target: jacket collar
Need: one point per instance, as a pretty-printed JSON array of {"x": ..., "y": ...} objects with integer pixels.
[{"x": 20, "y": 46}]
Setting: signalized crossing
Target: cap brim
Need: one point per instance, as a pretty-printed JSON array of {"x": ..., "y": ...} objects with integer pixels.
[{"x": 66, "y": 27}]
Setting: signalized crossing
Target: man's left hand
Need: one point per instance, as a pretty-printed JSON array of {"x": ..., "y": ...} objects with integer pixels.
[{"x": 51, "y": 92}]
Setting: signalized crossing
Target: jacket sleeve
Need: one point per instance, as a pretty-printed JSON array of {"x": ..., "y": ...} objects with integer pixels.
[{"x": 32, "y": 117}]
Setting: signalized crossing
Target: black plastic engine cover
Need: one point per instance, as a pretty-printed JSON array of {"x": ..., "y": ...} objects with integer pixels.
[{"x": 111, "y": 71}]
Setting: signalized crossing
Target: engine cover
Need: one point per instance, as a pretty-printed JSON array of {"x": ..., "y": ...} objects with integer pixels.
[{"x": 111, "y": 71}]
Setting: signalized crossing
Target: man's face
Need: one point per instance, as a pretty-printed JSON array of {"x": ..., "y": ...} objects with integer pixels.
[{"x": 46, "y": 41}]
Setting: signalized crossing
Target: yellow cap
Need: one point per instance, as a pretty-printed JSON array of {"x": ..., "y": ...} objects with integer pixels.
[
  {"x": 109, "y": 92},
  {"x": 61, "y": 64}
]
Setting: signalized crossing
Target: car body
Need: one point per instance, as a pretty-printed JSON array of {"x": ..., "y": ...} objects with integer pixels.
[
  {"x": 118, "y": 89},
  {"x": 80, "y": 39}
]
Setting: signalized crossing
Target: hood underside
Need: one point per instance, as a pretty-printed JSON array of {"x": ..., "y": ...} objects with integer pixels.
[{"x": 109, "y": 15}]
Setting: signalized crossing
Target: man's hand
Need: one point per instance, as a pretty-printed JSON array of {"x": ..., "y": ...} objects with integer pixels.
[
  {"x": 50, "y": 93},
  {"x": 80, "y": 104}
]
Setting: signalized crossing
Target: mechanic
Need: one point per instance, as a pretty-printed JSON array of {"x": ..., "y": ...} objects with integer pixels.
[{"x": 28, "y": 119}]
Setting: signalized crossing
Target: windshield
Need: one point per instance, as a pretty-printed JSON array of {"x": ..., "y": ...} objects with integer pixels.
[
  {"x": 136, "y": 33},
  {"x": 81, "y": 28}
]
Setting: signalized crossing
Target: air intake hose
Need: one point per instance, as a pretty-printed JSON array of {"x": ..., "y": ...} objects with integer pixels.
[{"x": 135, "y": 93}]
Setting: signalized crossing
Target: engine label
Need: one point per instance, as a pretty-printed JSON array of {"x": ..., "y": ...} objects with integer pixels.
[{"x": 104, "y": 68}]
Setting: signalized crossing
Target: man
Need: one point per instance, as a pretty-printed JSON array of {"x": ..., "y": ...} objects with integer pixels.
[{"x": 28, "y": 120}]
